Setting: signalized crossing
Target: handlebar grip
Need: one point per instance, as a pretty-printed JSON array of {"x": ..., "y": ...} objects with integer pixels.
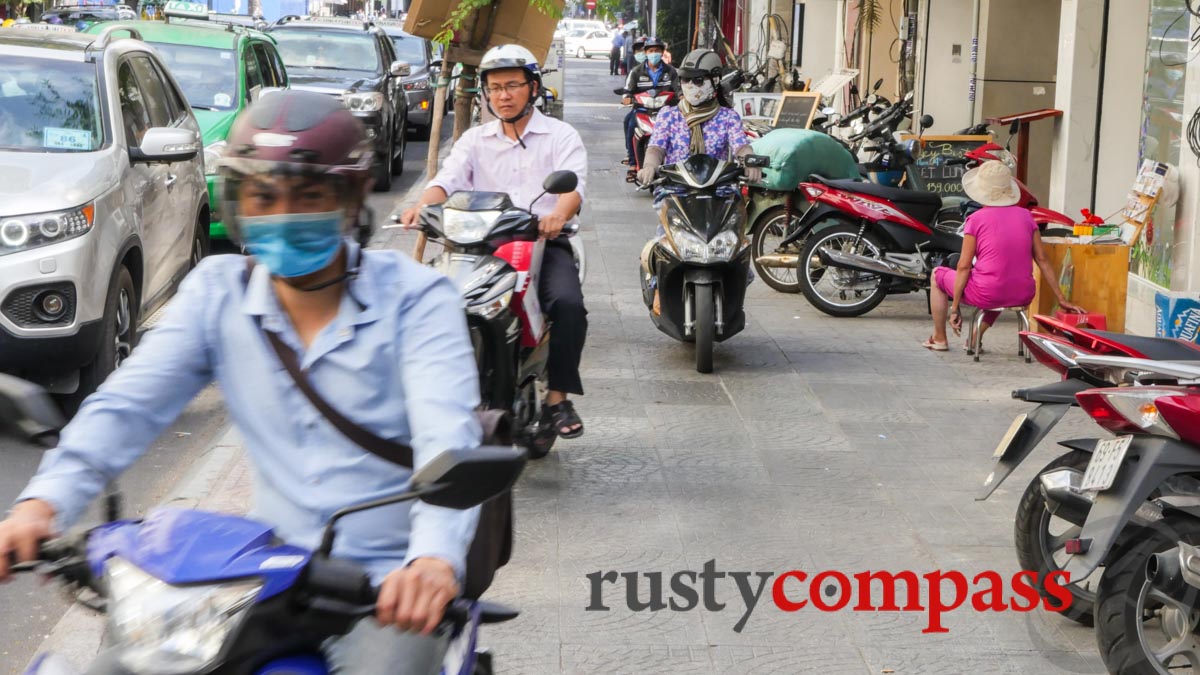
[{"x": 341, "y": 580}]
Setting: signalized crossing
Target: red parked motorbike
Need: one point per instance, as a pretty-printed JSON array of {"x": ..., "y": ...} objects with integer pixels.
[{"x": 646, "y": 105}]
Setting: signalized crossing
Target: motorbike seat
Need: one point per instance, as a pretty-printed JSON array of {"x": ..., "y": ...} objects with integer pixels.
[
  {"x": 922, "y": 206},
  {"x": 491, "y": 612},
  {"x": 945, "y": 241},
  {"x": 1156, "y": 348}
]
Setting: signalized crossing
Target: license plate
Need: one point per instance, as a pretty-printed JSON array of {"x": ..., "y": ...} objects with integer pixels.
[
  {"x": 1010, "y": 435},
  {"x": 1106, "y": 461}
]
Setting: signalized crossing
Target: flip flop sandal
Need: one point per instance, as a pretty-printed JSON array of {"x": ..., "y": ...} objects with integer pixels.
[
  {"x": 935, "y": 346},
  {"x": 562, "y": 416},
  {"x": 631, "y": 176},
  {"x": 625, "y": 161}
]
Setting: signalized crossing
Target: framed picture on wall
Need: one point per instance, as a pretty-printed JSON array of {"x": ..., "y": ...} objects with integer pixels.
[{"x": 756, "y": 108}]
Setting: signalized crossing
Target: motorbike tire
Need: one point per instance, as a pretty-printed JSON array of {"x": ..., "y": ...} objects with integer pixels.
[
  {"x": 1031, "y": 528},
  {"x": 705, "y": 327},
  {"x": 806, "y": 282},
  {"x": 1120, "y": 612},
  {"x": 772, "y": 218}
]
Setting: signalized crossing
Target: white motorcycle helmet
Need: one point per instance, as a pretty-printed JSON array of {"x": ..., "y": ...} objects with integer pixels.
[{"x": 505, "y": 57}]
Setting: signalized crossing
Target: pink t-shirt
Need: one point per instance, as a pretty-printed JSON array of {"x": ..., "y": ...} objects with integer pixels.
[{"x": 1003, "y": 273}]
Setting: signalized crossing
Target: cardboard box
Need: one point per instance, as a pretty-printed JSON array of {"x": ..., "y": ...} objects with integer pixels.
[{"x": 516, "y": 22}]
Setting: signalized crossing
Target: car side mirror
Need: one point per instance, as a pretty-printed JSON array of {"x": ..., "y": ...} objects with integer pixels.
[
  {"x": 461, "y": 479},
  {"x": 400, "y": 69},
  {"x": 259, "y": 93},
  {"x": 166, "y": 144},
  {"x": 926, "y": 122},
  {"x": 560, "y": 182},
  {"x": 435, "y": 64},
  {"x": 28, "y": 409}
]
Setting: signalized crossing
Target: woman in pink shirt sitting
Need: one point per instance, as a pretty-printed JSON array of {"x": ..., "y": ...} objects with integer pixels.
[{"x": 1000, "y": 244}]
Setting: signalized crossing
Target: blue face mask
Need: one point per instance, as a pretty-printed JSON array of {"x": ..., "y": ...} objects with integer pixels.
[
  {"x": 293, "y": 244},
  {"x": 654, "y": 58},
  {"x": 639, "y": 57}
]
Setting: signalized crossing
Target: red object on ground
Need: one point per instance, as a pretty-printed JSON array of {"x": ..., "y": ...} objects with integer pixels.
[{"x": 1094, "y": 320}]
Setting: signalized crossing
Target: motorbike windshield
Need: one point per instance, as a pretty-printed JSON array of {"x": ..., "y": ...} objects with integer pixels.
[
  {"x": 701, "y": 171},
  {"x": 706, "y": 214}
]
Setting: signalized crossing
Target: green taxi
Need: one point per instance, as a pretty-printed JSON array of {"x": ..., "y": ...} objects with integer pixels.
[{"x": 221, "y": 68}]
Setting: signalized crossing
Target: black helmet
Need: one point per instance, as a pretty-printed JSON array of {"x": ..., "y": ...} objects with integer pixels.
[
  {"x": 654, "y": 42},
  {"x": 700, "y": 63},
  {"x": 639, "y": 43}
]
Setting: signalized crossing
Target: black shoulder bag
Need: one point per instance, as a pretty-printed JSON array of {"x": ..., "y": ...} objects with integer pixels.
[{"x": 492, "y": 546}]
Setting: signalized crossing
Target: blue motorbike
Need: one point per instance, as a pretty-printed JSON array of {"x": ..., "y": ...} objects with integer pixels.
[{"x": 193, "y": 592}]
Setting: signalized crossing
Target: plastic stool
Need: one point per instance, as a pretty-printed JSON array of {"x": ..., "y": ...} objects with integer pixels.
[{"x": 973, "y": 337}]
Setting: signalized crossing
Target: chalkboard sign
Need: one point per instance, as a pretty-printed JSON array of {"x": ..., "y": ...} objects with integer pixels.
[
  {"x": 931, "y": 173},
  {"x": 797, "y": 109}
]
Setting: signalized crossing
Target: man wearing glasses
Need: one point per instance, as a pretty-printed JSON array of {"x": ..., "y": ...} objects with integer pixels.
[{"x": 514, "y": 154}]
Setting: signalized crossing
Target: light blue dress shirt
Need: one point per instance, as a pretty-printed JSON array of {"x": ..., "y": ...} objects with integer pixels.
[{"x": 397, "y": 360}]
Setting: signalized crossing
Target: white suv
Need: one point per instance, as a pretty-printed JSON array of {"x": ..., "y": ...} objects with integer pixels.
[{"x": 103, "y": 202}]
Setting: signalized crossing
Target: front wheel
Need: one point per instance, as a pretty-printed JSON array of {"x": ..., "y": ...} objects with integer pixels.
[
  {"x": 705, "y": 327},
  {"x": 579, "y": 54},
  {"x": 1041, "y": 538},
  {"x": 836, "y": 291},
  {"x": 769, "y": 231},
  {"x": 1139, "y": 629}
]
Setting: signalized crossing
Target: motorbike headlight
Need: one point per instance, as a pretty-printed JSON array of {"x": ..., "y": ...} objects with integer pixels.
[
  {"x": 467, "y": 227},
  {"x": 172, "y": 630},
  {"x": 212, "y": 155},
  {"x": 21, "y": 233},
  {"x": 723, "y": 246},
  {"x": 694, "y": 249},
  {"x": 371, "y": 101},
  {"x": 490, "y": 307}
]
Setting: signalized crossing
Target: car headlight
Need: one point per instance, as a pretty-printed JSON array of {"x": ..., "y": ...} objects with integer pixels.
[
  {"x": 172, "y": 630},
  {"x": 212, "y": 155},
  {"x": 694, "y": 249},
  {"x": 371, "y": 101},
  {"x": 21, "y": 233},
  {"x": 467, "y": 227},
  {"x": 416, "y": 85}
]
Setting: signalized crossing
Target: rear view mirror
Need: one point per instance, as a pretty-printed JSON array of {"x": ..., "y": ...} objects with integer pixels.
[
  {"x": 166, "y": 144},
  {"x": 400, "y": 69},
  {"x": 926, "y": 122},
  {"x": 461, "y": 479},
  {"x": 1014, "y": 128},
  {"x": 560, "y": 182},
  {"x": 878, "y": 84},
  {"x": 758, "y": 161},
  {"x": 27, "y": 409}
]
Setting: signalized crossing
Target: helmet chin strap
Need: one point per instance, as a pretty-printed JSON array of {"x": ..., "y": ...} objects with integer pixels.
[
  {"x": 349, "y": 274},
  {"x": 514, "y": 119}
]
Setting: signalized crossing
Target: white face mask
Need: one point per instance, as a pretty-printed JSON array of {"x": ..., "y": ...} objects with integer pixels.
[{"x": 698, "y": 94}]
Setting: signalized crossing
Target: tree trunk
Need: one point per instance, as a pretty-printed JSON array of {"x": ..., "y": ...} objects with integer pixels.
[
  {"x": 435, "y": 139},
  {"x": 464, "y": 100}
]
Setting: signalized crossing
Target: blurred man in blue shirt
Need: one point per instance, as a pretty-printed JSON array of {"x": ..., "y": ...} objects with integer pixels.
[
  {"x": 382, "y": 338},
  {"x": 614, "y": 58}
]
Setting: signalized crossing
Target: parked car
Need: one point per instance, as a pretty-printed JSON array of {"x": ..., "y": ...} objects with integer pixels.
[
  {"x": 105, "y": 207},
  {"x": 418, "y": 53},
  {"x": 591, "y": 43},
  {"x": 221, "y": 68},
  {"x": 567, "y": 25},
  {"x": 356, "y": 62},
  {"x": 82, "y": 17}
]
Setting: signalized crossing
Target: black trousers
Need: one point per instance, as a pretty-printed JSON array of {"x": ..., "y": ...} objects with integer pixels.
[
  {"x": 561, "y": 297},
  {"x": 614, "y": 58}
]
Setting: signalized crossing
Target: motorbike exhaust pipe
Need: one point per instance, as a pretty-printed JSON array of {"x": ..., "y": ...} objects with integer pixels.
[
  {"x": 788, "y": 260},
  {"x": 862, "y": 263},
  {"x": 1176, "y": 573}
]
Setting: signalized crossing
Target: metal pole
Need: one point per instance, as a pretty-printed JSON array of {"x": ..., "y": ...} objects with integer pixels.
[
  {"x": 973, "y": 94},
  {"x": 653, "y": 17}
]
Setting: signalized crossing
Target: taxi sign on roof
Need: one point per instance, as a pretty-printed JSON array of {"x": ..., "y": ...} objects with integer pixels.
[{"x": 183, "y": 9}]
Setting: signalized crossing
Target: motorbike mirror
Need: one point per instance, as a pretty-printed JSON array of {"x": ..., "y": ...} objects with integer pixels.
[
  {"x": 28, "y": 409},
  {"x": 560, "y": 182},
  {"x": 461, "y": 479},
  {"x": 1014, "y": 128},
  {"x": 878, "y": 84},
  {"x": 926, "y": 122}
]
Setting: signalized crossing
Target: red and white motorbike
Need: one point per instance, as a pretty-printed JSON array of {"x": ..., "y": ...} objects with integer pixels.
[
  {"x": 494, "y": 255},
  {"x": 646, "y": 105}
]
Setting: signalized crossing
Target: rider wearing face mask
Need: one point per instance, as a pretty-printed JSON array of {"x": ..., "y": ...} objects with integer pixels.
[
  {"x": 702, "y": 123},
  {"x": 650, "y": 73}
]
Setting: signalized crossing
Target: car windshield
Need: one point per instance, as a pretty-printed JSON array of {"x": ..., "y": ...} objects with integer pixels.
[
  {"x": 321, "y": 50},
  {"x": 410, "y": 50},
  {"x": 49, "y": 106},
  {"x": 207, "y": 75},
  {"x": 81, "y": 19}
]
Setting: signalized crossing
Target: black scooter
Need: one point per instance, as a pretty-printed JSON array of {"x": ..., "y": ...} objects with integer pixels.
[
  {"x": 493, "y": 255},
  {"x": 700, "y": 266}
]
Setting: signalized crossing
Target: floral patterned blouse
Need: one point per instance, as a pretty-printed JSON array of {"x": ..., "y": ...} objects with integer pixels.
[{"x": 723, "y": 134}]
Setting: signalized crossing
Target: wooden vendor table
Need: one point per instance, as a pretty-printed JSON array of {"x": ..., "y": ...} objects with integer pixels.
[{"x": 1101, "y": 278}]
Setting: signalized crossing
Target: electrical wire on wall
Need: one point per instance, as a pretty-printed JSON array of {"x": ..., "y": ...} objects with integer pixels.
[{"x": 1193, "y": 126}]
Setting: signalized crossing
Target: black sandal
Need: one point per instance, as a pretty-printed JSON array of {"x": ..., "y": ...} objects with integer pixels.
[
  {"x": 631, "y": 176},
  {"x": 563, "y": 415}
]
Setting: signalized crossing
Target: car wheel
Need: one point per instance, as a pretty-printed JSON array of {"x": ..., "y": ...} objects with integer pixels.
[
  {"x": 398, "y": 159},
  {"x": 383, "y": 168},
  {"x": 200, "y": 243},
  {"x": 118, "y": 336},
  {"x": 579, "y": 53}
]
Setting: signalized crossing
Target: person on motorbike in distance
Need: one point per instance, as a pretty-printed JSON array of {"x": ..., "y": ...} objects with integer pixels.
[
  {"x": 382, "y": 337},
  {"x": 702, "y": 124},
  {"x": 650, "y": 73},
  {"x": 514, "y": 154}
]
